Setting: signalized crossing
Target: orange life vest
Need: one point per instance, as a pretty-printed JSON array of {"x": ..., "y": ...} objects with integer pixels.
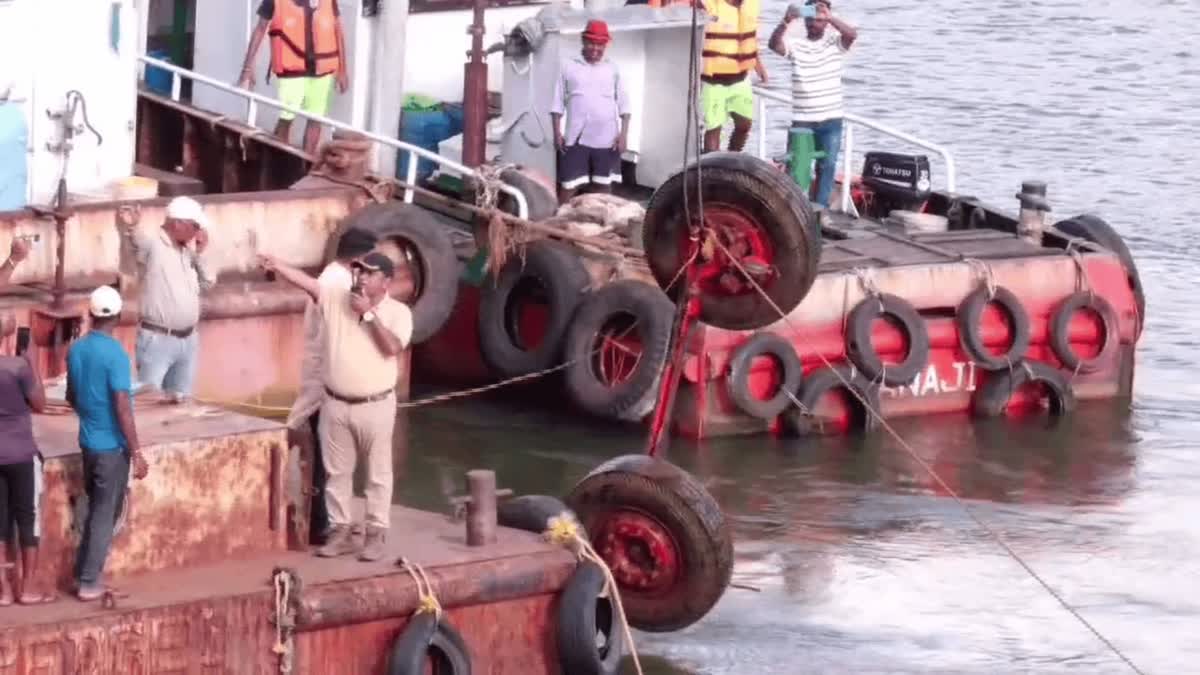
[
  {"x": 291, "y": 47},
  {"x": 731, "y": 43}
]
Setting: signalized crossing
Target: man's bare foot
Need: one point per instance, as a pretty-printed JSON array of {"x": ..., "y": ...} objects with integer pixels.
[
  {"x": 37, "y": 598},
  {"x": 6, "y": 589}
]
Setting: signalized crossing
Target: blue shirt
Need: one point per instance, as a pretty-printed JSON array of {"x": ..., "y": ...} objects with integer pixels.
[{"x": 97, "y": 368}]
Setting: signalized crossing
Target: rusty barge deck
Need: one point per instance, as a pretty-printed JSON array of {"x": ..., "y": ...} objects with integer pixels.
[{"x": 198, "y": 545}]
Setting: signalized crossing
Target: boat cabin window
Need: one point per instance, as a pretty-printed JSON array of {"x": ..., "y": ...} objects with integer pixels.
[{"x": 421, "y": 6}]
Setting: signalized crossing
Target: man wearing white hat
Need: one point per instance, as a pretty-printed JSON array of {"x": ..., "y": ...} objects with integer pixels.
[
  {"x": 173, "y": 273},
  {"x": 100, "y": 391}
]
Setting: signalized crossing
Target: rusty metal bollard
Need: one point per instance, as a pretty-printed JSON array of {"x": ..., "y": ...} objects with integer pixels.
[{"x": 481, "y": 509}]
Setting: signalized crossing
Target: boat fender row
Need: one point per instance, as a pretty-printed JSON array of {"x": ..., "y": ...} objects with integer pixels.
[
  {"x": 798, "y": 421},
  {"x": 992, "y": 397},
  {"x": 427, "y": 638},
  {"x": 584, "y": 610},
  {"x": 1060, "y": 331},
  {"x": 780, "y": 351},
  {"x": 862, "y": 352},
  {"x": 969, "y": 320}
]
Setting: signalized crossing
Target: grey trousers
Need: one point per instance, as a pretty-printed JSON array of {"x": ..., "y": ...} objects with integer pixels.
[{"x": 105, "y": 476}]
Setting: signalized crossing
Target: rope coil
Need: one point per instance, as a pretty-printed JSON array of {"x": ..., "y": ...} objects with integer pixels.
[{"x": 563, "y": 530}]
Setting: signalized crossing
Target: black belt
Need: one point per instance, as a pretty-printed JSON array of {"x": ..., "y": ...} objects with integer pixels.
[
  {"x": 352, "y": 400},
  {"x": 181, "y": 333}
]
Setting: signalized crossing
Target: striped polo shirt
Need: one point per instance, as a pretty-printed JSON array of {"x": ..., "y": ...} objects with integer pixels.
[{"x": 816, "y": 75}]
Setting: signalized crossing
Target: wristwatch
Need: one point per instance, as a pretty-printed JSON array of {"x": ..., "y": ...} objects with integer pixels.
[{"x": 368, "y": 316}]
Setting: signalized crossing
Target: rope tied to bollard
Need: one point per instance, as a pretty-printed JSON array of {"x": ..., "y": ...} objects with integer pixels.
[{"x": 563, "y": 530}]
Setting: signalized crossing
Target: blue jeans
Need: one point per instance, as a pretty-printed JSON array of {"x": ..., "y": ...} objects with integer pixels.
[
  {"x": 827, "y": 137},
  {"x": 105, "y": 477},
  {"x": 167, "y": 362}
]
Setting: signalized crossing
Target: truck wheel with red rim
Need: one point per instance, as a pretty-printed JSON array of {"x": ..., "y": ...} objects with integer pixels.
[
  {"x": 663, "y": 536},
  {"x": 757, "y": 230},
  {"x": 1060, "y": 332},
  {"x": 410, "y": 233},
  {"x": 993, "y": 397},
  {"x": 786, "y": 364},
  {"x": 525, "y": 312},
  {"x": 970, "y": 330},
  {"x": 850, "y": 412},
  {"x": 616, "y": 348},
  {"x": 861, "y": 349},
  {"x": 1098, "y": 231}
]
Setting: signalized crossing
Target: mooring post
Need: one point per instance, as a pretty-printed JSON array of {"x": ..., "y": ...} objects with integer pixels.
[{"x": 481, "y": 509}]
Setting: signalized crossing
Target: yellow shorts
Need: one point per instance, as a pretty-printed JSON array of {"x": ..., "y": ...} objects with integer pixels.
[{"x": 310, "y": 94}]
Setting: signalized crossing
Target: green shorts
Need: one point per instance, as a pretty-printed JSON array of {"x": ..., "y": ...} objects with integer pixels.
[
  {"x": 310, "y": 94},
  {"x": 718, "y": 101}
]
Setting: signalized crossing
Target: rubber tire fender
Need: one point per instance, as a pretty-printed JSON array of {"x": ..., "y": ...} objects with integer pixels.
[
  {"x": 969, "y": 317},
  {"x": 669, "y": 495},
  {"x": 862, "y": 352},
  {"x": 424, "y": 637},
  {"x": 654, "y": 313},
  {"x": 767, "y": 196},
  {"x": 437, "y": 263},
  {"x": 991, "y": 398},
  {"x": 560, "y": 273},
  {"x": 820, "y": 382},
  {"x": 541, "y": 196},
  {"x": 1097, "y": 231},
  {"x": 531, "y": 513},
  {"x": 582, "y": 615},
  {"x": 738, "y": 382},
  {"x": 1060, "y": 333}
]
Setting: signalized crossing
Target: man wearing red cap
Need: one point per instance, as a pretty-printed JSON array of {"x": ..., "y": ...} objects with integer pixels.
[{"x": 590, "y": 92}]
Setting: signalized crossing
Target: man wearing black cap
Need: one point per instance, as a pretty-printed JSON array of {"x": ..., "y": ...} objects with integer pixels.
[
  {"x": 353, "y": 244},
  {"x": 365, "y": 332}
]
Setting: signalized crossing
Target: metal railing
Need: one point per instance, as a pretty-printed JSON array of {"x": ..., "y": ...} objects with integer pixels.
[
  {"x": 253, "y": 100},
  {"x": 850, "y": 120}
]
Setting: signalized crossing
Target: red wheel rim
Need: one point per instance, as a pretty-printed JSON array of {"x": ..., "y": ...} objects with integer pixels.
[
  {"x": 640, "y": 551},
  {"x": 617, "y": 351},
  {"x": 733, "y": 245}
]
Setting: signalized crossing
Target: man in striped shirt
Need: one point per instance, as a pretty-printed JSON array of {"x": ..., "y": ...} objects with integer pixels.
[{"x": 817, "y": 58}]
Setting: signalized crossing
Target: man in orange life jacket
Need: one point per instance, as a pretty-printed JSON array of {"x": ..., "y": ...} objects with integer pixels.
[{"x": 308, "y": 51}]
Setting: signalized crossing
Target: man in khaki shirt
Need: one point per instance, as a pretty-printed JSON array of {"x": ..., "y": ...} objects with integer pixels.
[{"x": 365, "y": 332}]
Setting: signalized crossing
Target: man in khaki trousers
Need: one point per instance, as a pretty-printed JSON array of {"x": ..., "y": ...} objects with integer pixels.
[{"x": 366, "y": 330}]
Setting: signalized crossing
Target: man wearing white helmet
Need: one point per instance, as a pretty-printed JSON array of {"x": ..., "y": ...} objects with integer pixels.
[
  {"x": 99, "y": 388},
  {"x": 173, "y": 273}
]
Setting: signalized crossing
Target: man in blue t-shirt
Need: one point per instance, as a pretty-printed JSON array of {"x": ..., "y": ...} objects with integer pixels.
[{"x": 99, "y": 389}]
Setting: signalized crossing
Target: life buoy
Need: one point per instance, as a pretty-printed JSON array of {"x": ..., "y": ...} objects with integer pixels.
[
  {"x": 549, "y": 275},
  {"x": 426, "y": 638},
  {"x": 992, "y": 397},
  {"x": 791, "y": 372},
  {"x": 591, "y": 640},
  {"x": 1060, "y": 332},
  {"x": 662, "y": 534},
  {"x": 616, "y": 348},
  {"x": 970, "y": 314},
  {"x": 801, "y": 421},
  {"x": 862, "y": 352}
]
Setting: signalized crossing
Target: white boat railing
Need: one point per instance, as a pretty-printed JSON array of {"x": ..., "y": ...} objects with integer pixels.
[
  {"x": 849, "y": 120},
  {"x": 253, "y": 100}
]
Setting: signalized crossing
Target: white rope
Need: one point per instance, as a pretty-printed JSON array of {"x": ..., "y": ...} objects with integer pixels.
[{"x": 284, "y": 642}]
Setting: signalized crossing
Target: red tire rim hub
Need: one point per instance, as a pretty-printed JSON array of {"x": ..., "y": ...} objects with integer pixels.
[
  {"x": 745, "y": 248},
  {"x": 641, "y": 553}
]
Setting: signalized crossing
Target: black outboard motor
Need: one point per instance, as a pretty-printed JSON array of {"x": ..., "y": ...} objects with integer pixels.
[{"x": 897, "y": 182}]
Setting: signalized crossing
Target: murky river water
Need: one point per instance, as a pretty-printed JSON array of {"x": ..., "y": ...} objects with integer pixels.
[{"x": 863, "y": 565}]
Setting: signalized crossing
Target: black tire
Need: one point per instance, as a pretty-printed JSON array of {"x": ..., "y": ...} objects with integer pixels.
[
  {"x": 1060, "y": 334},
  {"x": 550, "y": 273},
  {"x": 1097, "y": 231},
  {"x": 862, "y": 352},
  {"x": 425, "y": 638},
  {"x": 666, "y": 497},
  {"x": 531, "y": 513},
  {"x": 738, "y": 383},
  {"x": 818, "y": 383},
  {"x": 991, "y": 398},
  {"x": 584, "y": 617},
  {"x": 427, "y": 244},
  {"x": 611, "y": 308},
  {"x": 737, "y": 183},
  {"x": 969, "y": 317},
  {"x": 540, "y": 195}
]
